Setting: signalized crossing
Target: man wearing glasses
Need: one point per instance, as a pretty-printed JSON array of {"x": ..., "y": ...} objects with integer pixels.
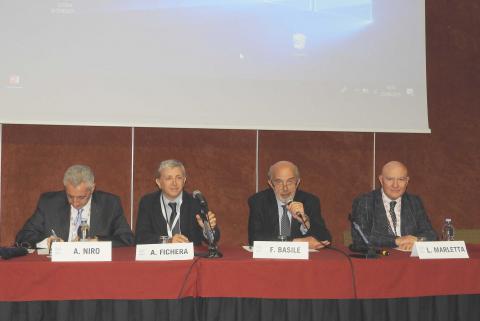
[
  {"x": 171, "y": 214},
  {"x": 390, "y": 217},
  {"x": 59, "y": 215},
  {"x": 283, "y": 212}
]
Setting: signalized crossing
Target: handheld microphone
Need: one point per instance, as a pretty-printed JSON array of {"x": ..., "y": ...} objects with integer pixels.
[
  {"x": 199, "y": 196},
  {"x": 213, "y": 251},
  {"x": 203, "y": 203},
  {"x": 203, "y": 214},
  {"x": 299, "y": 214}
]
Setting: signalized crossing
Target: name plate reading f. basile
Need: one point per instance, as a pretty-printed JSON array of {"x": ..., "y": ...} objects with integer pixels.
[
  {"x": 81, "y": 251},
  {"x": 280, "y": 250},
  {"x": 440, "y": 250},
  {"x": 164, "y": 252}
]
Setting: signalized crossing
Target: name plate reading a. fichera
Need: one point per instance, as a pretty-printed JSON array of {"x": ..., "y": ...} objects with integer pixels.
[
  {"x": 280, "y": 250},
  {"x": 164, "y": 252},
  {"x": 440, "y": 250},
  {"x": 81, "y": 251}
]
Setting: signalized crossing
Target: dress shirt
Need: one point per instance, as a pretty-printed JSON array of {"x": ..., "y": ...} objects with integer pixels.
[
  {"x": 280, "y": 213},
  {"x": 397, "y": 209},
  {"x": 72, "y": 235}
]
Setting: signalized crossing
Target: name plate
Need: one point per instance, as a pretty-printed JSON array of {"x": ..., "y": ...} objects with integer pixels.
[
  {"x": 164, "y": 252},
  {"x": 440, "y": 250},
  {"x": 280, "y": 250},
  {"x": 81, "y": 251}
]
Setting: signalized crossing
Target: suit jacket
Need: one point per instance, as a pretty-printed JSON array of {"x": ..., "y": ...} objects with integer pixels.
[
  {"x": 263, "y": 219},
  {"x": 151, "y": 222},
  {"x": 369, "y": 212},
  {"x": 107, "y": 220}
]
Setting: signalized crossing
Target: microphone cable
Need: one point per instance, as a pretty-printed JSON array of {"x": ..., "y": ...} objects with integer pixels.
[
  {"x": 187, "y": 275},
  {"x": 352, "y": 269}
]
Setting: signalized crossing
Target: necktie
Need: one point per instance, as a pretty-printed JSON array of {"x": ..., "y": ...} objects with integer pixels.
[
  {"x": 78, "y": 221},
  {"x": 285, "y": 222},
  {"x": 176, "y": 228},
  {"x": 393, "y": 216}
]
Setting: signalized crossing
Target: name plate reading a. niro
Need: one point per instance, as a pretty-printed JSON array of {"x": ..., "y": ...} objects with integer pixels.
[
  {"x": 81, "y": 251},
  {"x": 280, "y": 250},
  {"x": 440, "y": 250},
  {"x": 164, "y": 252}
]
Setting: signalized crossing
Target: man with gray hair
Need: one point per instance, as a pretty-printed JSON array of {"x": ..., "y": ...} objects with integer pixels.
[
  {"x": 283, "y": 212},
  {"x": 171, "y": 212},
  {"x": 59, "y": 214}
]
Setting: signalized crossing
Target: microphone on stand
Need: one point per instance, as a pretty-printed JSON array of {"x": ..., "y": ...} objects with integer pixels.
[
  {"x": 370, "y": 252},
  {"x": 213, "y": 251}
]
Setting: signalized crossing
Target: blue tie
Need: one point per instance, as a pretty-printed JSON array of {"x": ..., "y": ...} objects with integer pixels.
[{"x": 78, "y": 220}]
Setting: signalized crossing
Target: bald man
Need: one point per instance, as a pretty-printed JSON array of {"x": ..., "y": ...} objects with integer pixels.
[
  {"x": 389, "y": 216},
  {"x": 285, "y": 212}
]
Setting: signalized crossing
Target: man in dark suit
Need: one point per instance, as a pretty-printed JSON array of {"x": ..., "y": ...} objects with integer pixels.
[
  {"x": 59, "y": 214},
  {"x": 286, "y": 212},
  {"x": 390, "y": 217},
  {"x": 171, "y": 211}
]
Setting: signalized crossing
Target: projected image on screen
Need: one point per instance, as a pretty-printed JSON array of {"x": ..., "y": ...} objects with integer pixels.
[{"x": 223, "y": 64}]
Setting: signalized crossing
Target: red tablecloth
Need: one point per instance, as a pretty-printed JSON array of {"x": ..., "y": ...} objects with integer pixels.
[{"x": 326, "y": 275}]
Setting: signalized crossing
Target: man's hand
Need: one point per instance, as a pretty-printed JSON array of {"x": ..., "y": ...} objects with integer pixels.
[
  {"x": 53, "y": 239},
  {"x": 406, "y": 242},
  {"x": 312, "y": 242},
  {"x": 179, "y": 238},
  {"x": 211, "y": 218},
  {"x": 298, "y": 213}
]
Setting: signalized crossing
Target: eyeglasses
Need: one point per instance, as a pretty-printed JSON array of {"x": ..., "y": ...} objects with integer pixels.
[{"x": 289, "y": 183}]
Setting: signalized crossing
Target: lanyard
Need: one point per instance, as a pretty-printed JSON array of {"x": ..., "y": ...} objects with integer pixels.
[{"x": 164, "y": 212}]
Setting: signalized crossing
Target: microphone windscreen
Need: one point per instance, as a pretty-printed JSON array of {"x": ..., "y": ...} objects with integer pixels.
[{"x": 9, "y": 252}]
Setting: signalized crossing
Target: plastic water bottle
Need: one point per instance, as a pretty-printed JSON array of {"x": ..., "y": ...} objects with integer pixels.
[
  {"x": 84, "y": 230},
  {"x": 448, "y": 232}
]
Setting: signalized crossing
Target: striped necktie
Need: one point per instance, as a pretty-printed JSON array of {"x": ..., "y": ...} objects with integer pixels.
[
  {"x": 285, "y": 222},
  {"x": 393, "y": 216}
]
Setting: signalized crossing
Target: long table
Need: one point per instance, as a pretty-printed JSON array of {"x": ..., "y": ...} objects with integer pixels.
[{"x": 238, "y": 282}]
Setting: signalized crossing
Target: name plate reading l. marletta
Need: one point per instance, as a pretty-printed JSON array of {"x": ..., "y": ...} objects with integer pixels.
[
  {"x": 81, "y": 251},
  {"x": 280, "y": 250},
  {"x": 440, "y": 250},
  {"x": 164, "y": 252}
]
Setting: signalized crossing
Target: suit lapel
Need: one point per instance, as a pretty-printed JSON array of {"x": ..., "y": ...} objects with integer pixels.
[
  {"x": 184, "y": 212},
  {"x": 95, "y": 216},
  {"x": 273, "y": 212},
  {"x": 158, "y": 215},
  {"x": 63, "y": 226},
  {"x": 405, "y": 215},
  {"x": 295, "y": 224}
]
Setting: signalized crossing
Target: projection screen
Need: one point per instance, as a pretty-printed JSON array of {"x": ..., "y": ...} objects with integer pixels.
[{"x": 336, "y": 65}]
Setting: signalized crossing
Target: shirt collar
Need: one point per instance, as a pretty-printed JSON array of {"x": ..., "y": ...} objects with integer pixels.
[
  {"x": 387, "y": 199},
  {"x": 177, "y": 200}
]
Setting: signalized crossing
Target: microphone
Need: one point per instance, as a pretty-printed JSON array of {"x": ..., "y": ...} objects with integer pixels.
[
  {"x": 359, "y": 230},
  {"x": 203, "y": 203},
  {"x": 369, "y": 252},
  {"x": 213, "y": 251},
  {"x": 299, "y": 214}
]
